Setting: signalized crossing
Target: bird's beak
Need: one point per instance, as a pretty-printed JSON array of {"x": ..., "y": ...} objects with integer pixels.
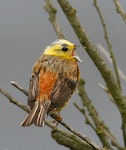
[
  {"x": 74, "y": 54},
  {"x": 77, "y": 58}
]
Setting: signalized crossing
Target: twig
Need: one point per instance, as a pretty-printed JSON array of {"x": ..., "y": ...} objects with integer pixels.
[
  {"x": 14, "y": 101},
  {"x": 15, "y": 84},
  {"x": 120, "y": 10},
  {"x": 54, "y": 116},
  {"x": 108, "y": 42},
  {"x": 107, "y": 91},
  {"x": 88, "y": 121},
  {"x": 52, "y": 13},
  {"x": 106, "y": 54}
]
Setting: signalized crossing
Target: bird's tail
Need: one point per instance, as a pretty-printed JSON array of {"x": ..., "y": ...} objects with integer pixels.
[{"x": 37, "y": 115}]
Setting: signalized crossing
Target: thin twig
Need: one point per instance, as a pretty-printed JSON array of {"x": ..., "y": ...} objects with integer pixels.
[
  {"x": 52, "y": 13},
  {"x": 108, "y": 42},
  {"x": 120, "y": 10},
  {"x": 106, "y": 54},
  {"x": 88, "y": 121},
  {"x": 15, "y": 84},
  {"x": 14, "y": 101},
  {"x": 107, "y": 91}
]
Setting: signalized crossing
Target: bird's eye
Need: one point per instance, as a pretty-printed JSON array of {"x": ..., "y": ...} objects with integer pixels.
[{"x": 65, "y": 49}]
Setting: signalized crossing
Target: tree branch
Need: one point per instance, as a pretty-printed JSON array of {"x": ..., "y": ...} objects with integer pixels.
[
  {"x": 106, "y": 54},
  {"x": 101, "y": 129},
  {"x": 20, "y": 88},
  {"x": 106, "y": 36},
  {"x": 120, "y": 10},
  {"x": 14, "y": 101},
  {"x": 88, "y": 121},
  {"x": 52, "y": 13}
]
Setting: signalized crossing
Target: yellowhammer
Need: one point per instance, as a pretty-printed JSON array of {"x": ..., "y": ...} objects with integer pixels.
[{"x": 53, "y": 80}]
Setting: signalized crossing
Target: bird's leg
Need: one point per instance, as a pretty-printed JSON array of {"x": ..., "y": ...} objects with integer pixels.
[{"x": 57, "y": 118}]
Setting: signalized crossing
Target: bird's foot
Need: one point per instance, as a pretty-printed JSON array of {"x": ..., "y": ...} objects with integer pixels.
[{"x": 57, "y": 118}]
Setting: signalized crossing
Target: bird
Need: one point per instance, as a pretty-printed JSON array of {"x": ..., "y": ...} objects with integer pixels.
[{"x": 53, "y": 80}]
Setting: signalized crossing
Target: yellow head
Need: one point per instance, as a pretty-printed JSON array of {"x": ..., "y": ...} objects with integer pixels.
[{"x": 63, "y": 49}]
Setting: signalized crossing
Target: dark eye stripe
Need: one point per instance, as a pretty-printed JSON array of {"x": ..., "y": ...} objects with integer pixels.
[{"x": 64, "y": 45}]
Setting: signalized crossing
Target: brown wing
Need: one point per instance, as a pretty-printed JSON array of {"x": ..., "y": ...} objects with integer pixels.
[
  {"x": 63, "y": 89},
  {"x": 33, "y": 87},
  {"x": 34, "y": 84}
]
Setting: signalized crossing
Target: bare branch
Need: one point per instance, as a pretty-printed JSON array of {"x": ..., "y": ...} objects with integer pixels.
[
  {"x": 107, "y": 91},
  {"x": 14, "y": 101},
  {"x": 120, "y": 10},
  {"x": 88, "y": 121},
  {"x": 15, "y": 84},
  {"x": 106, "y": 54},
  {"x": 108, "y": 42},
  {"x": 52, "y": 13}
]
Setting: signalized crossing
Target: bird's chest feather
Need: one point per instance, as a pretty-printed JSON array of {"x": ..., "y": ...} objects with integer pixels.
[{"x": 61, "y": 67}]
